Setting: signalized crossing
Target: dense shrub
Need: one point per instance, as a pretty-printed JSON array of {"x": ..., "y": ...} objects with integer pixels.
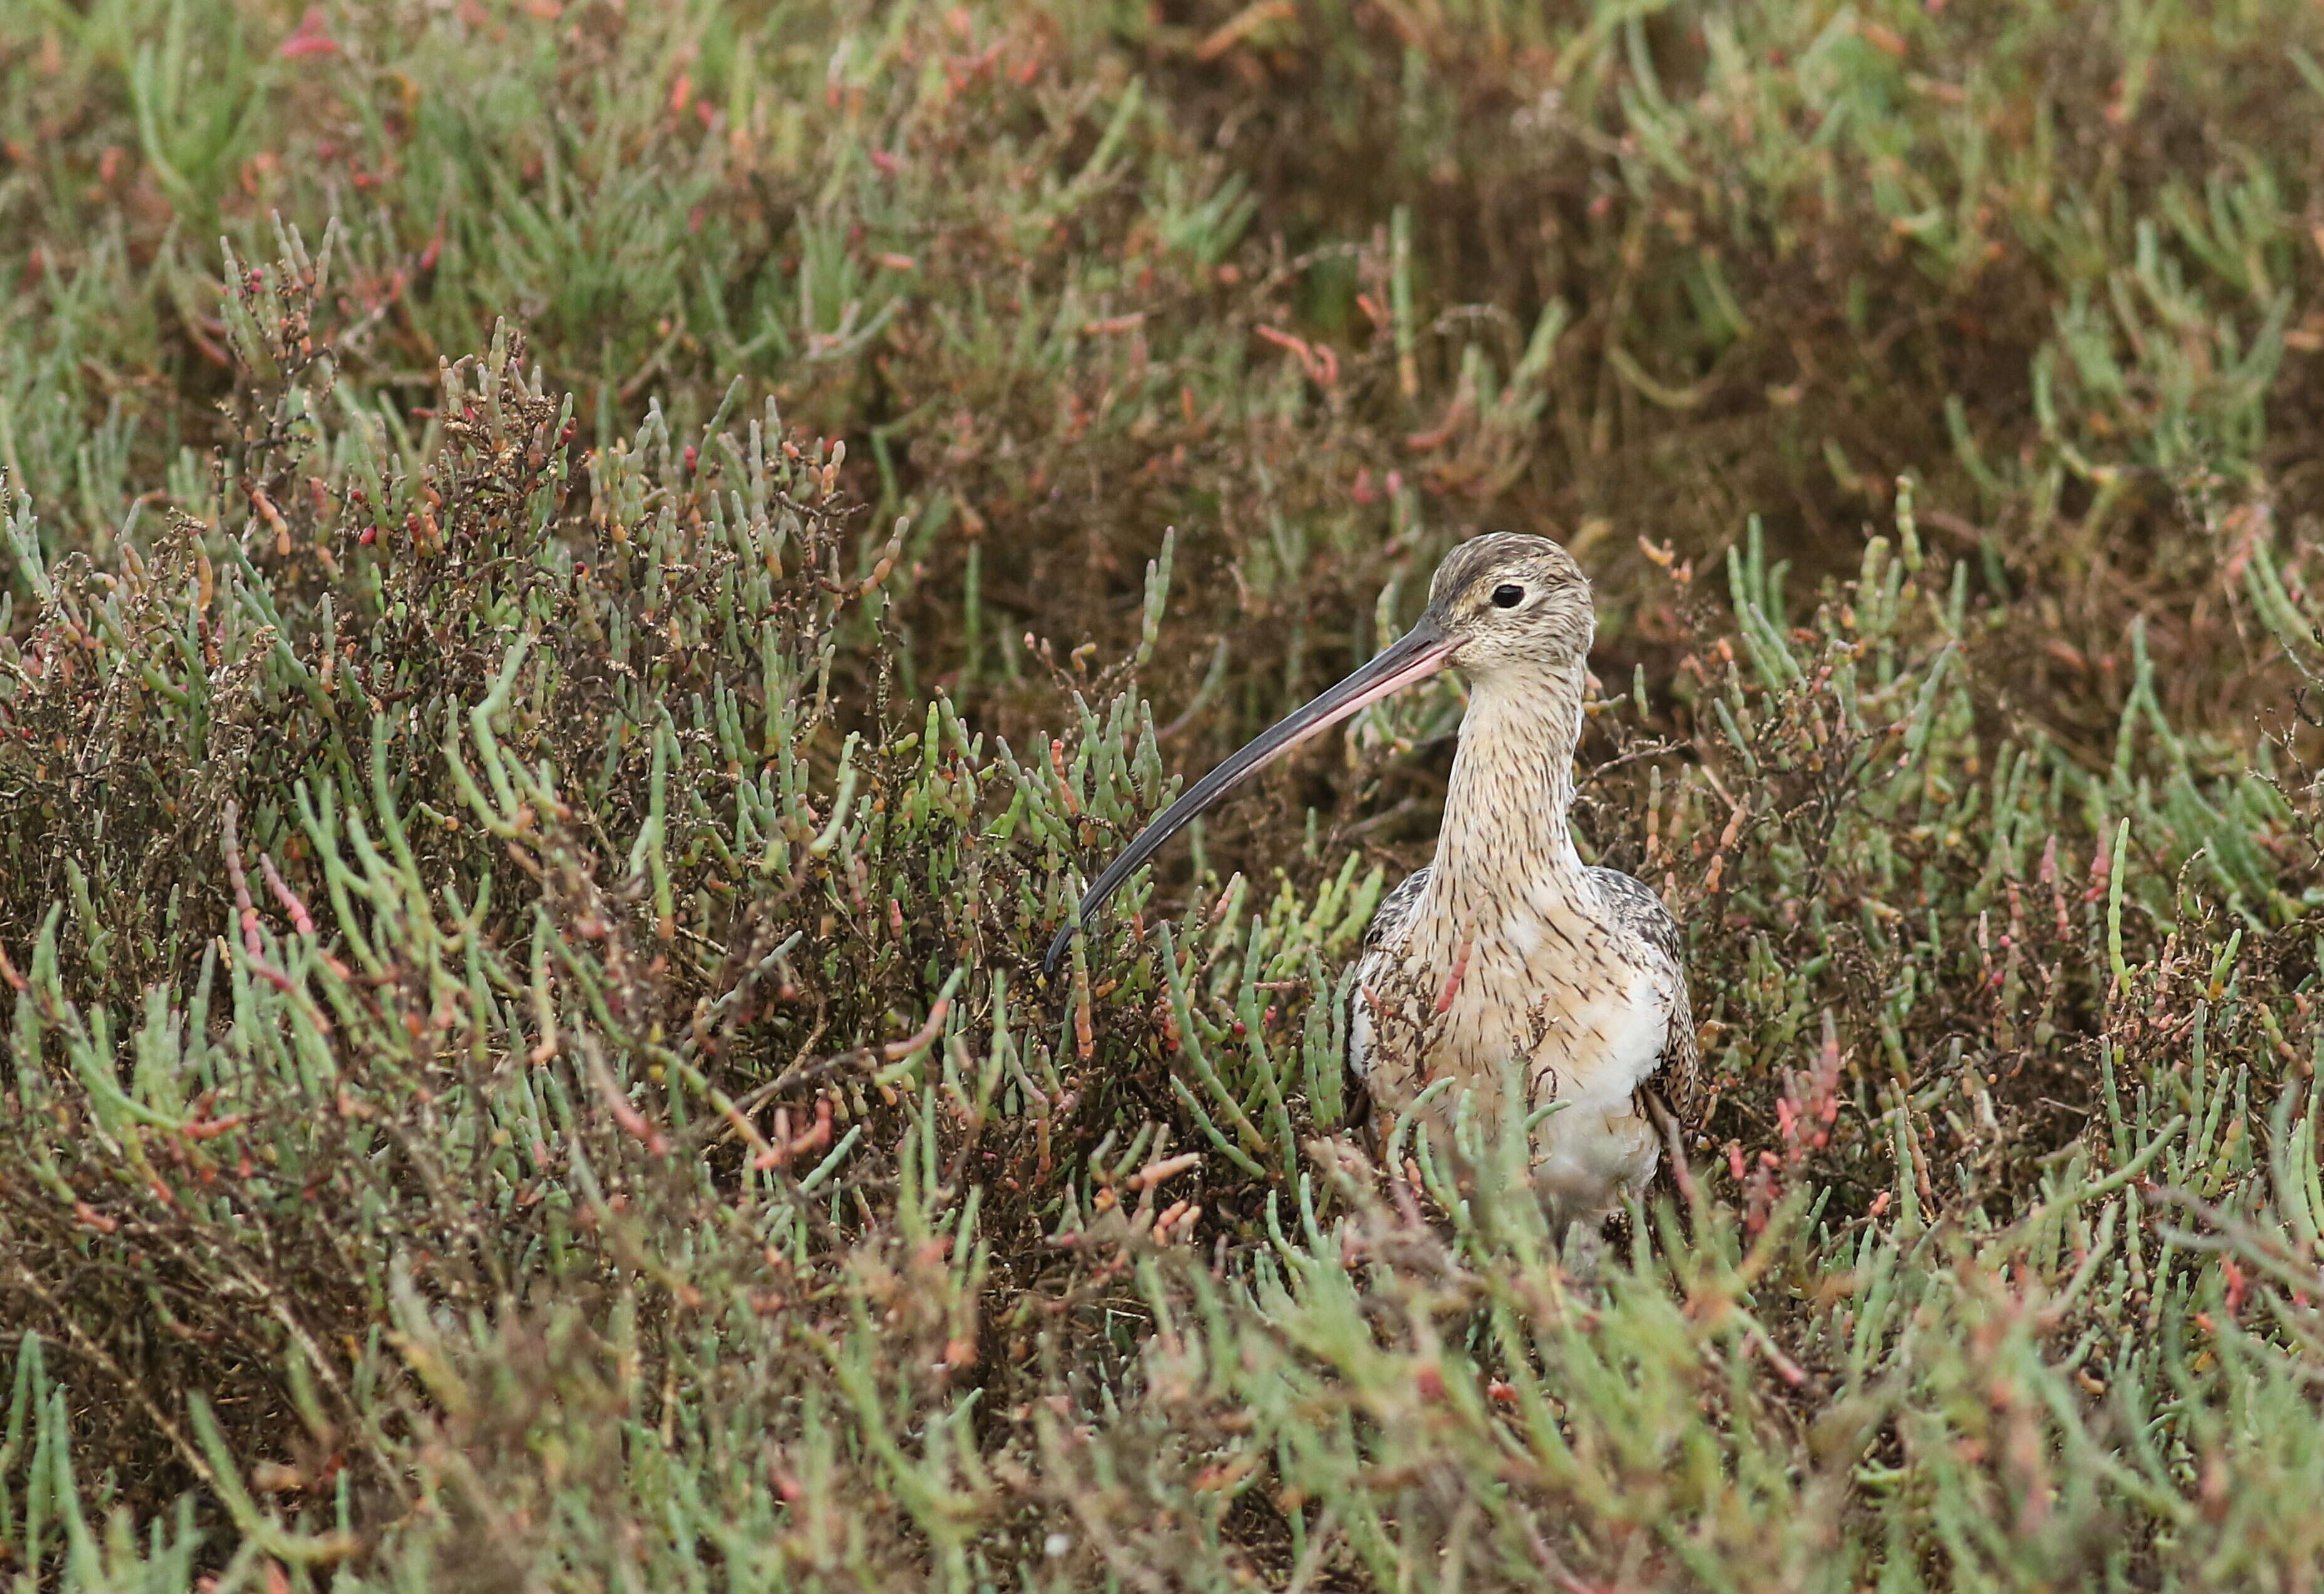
[{"x": 522, "y": 877}]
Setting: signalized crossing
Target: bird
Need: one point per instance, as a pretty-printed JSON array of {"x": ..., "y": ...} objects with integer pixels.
[{"x": 1507, "y": 947}]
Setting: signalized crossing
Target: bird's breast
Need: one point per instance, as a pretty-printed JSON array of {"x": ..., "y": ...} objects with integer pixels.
[
  {"x": 1546, "y": 983},
  {"x": 1587, "y": 1027}
]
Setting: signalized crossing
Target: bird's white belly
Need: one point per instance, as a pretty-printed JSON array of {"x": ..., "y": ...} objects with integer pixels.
[
  {"x": 1603, "y": 1047},
  {"x": 1598, "y": 1145}
]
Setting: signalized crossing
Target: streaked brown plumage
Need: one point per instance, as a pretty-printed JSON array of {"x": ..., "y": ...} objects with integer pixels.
[{"x": 1507, "y": 945}]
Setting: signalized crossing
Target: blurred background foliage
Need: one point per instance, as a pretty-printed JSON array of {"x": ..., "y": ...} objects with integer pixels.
[{"x": 583, "y": 582}]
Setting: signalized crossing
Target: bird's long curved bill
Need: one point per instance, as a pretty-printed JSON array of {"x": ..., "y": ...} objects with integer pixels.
[{"x": 1421, "y": 652}]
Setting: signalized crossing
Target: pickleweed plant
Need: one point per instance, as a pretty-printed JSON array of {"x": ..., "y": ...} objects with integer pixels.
[{"x": 555, "y": 687}]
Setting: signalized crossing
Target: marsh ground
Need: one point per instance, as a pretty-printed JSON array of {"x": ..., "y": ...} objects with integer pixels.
[{"x": 554, "y": 685}]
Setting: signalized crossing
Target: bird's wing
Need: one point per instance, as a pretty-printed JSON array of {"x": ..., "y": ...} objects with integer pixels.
[
  {"x": 1391, "y": 921},
  {"x": 1394, "y": 915},
  {"x": 1682, "y": 1060},
  {"x": 1636, "y": 909}
]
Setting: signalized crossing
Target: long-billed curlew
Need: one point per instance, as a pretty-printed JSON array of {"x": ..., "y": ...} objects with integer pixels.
[{"x": 1507, "y": 945}]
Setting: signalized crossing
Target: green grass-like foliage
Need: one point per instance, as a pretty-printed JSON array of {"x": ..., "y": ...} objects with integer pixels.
[{"x": 524, "y": 854}]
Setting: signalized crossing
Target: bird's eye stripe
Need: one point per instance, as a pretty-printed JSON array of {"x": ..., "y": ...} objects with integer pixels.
[{"x": 1507, "y": 595}]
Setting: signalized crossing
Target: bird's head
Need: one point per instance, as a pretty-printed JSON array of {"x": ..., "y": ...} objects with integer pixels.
[
  {"x": 1504, "y": 607},
  {"x": 1508, "y": 604}
]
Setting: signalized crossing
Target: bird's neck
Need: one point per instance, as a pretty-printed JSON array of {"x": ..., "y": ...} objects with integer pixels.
[{"x": 1512, "y": 789}]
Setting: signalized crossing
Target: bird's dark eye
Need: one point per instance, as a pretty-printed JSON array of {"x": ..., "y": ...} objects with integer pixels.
[{"x": 1507, "y": 595}]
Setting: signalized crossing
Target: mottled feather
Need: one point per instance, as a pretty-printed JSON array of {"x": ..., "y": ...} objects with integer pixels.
[
  {"x": 1394, "y": 915},
  {"x": 1391, "y": 922}
]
